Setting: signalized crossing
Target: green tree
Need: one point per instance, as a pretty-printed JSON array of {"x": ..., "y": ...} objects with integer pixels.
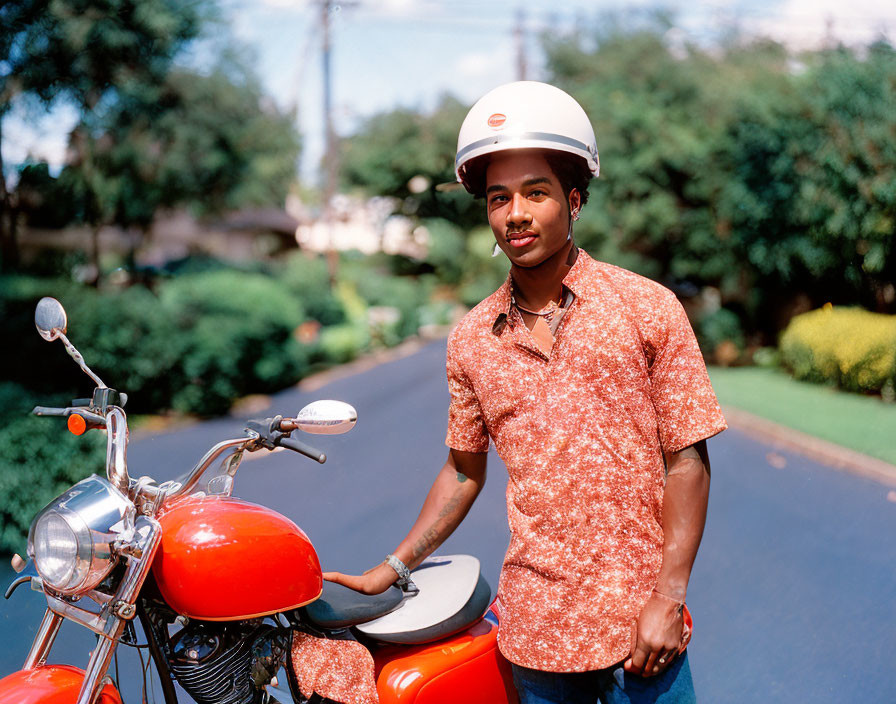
[
  {"x": 766, "y": 175},
  {"x": 810, "y": 201},
  {"x": 392, "y": 148},
  {"x": 84, "y": 52},
  {"x": 658, "y": 116},
  {"x": 210, "y": 141}
]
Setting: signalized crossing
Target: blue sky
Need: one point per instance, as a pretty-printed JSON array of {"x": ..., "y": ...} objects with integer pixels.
[{"x": 409, "y": 52}]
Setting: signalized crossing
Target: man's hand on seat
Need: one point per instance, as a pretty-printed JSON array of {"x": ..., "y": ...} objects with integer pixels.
[{"x": 373, "y": 581}]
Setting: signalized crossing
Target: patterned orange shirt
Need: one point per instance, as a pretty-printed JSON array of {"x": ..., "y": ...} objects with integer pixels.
[{"x": 582, "y": 432}]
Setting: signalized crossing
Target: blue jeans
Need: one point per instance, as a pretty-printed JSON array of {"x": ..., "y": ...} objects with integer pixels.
[{"x": 610, "y": 686}]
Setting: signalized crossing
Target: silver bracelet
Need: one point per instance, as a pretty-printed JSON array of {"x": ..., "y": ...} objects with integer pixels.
[{"x": 401, "y": 569}]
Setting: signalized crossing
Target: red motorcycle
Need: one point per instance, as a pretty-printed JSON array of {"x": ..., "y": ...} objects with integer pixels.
[{"x": 226, "y": 591}]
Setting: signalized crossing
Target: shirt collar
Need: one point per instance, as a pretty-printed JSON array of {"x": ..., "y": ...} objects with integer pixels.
[{"x": 574, "y": 281}]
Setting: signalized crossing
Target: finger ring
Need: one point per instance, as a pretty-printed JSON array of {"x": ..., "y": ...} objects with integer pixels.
[{"x": 662, "y": 660}]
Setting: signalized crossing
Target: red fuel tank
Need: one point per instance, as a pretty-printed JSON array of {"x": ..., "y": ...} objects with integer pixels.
[{"x": 225, "y": 559}]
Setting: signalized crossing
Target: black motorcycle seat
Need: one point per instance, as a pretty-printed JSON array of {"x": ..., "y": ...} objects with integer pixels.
[{"x": 340, "y": 607}]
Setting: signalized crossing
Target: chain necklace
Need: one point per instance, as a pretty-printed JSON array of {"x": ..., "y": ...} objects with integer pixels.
[{"x": 547, "y": 312}]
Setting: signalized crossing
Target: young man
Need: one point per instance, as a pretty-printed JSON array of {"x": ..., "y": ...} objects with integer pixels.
[{"x": 589, "y": 381}]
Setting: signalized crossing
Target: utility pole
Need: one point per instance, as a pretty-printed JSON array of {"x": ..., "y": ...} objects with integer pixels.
[
  {"x": 330, "y": 156},
  {"x": 519, "y": 37}
]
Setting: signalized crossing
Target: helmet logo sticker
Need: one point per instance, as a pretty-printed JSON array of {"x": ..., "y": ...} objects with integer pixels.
[{"x": 496, "y": 121}]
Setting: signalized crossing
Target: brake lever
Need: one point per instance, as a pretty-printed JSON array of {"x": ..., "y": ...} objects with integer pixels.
[{"x": 270, "y": 436}]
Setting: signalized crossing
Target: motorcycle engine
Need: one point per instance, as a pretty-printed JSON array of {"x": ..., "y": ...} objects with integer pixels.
[{"x": 226, "y": 663}]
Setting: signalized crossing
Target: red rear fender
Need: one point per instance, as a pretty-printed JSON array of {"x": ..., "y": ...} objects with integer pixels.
[{"x": 49, "y": 684}]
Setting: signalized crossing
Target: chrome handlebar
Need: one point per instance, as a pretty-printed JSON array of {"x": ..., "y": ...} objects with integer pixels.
[
  {"x": 144, "y": 492},
  {"x": 148, "y": 496},
  {"x": 117, "y": 449},
  {"x": 269, "y": 433}
]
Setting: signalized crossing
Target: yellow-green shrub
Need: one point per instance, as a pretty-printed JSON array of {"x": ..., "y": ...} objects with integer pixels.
[{"x": 848, "y": 347}]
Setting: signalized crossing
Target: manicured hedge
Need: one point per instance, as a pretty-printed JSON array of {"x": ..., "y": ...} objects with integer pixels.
[
  {"x": 195, "y": 344},
  {"x": 846, "y": 347}
]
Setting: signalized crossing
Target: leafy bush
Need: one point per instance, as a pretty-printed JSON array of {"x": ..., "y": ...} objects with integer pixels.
[
  {"x": 767, "y": 358},
  {"x": 376, "y": 287},
  {"x": 483, "y": 274},
  {"x": 24, "y": 355},
  {"x": 212, "y": 334},
  {"x": 128, "y": 339},
  {"x": 446, "y": 250},
  {"x": 234, "y": 336},
  {"x": 341, "y": 343},
  {"x": 721, "y": 327},
  {"x": 307, "y": 278},
  {"x": 847, "y": 347},
  {"x": 39, "y": 459},
  {"x": 204, "y": 340},
  {"x": 437, "y": 313}
]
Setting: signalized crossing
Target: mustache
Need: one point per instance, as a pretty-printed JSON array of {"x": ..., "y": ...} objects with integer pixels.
[{"x": 511, "y": 233}]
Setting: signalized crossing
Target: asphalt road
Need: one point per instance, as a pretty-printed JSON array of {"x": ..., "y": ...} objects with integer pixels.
[{"x": 794, "y": 590}]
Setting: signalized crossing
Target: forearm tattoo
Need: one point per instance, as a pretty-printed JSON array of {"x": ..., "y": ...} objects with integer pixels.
[
  {"x": 430, "y": 538},
  {"x": 426, "y": 542}
]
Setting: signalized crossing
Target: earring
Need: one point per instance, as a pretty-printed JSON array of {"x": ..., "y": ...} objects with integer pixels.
[
  {"x": 496, "y": 251},
  {"x": 575, "y": 214}
]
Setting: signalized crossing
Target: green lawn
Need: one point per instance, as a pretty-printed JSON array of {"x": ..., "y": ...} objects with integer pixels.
[{"x": 861, "y": 423}]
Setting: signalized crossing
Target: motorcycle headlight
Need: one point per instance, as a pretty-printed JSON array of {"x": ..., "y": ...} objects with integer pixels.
[
  {"x": 71, "y": 539},
  {"x": 62, "y": 551}
]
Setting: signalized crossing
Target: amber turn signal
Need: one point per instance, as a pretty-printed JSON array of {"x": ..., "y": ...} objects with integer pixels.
[{"x": 76, "y": 424}]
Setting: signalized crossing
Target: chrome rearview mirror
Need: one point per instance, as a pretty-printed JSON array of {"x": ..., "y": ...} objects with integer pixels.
[
  {"x": 50, "y": 319},
  {"x": 327, "y": 418},
  {"x": 51, "y": 322}
]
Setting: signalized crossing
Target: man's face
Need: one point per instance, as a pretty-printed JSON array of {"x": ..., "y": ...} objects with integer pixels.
[{"x": 527, "y": 209}]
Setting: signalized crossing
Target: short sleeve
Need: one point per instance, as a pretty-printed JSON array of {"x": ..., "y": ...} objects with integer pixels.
[
  {"x": 466, "y": 428},
  {"x": 686, "y": 405}
]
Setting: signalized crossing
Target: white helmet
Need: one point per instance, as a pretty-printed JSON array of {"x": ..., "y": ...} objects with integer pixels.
[{"x": 525, "y": 115}]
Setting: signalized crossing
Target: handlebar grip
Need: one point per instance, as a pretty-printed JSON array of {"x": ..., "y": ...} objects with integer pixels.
[
  {"x": 49, "y": 411},
  {"x": 94, "y": 419},
  {"x": 302, "y": 448}
]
